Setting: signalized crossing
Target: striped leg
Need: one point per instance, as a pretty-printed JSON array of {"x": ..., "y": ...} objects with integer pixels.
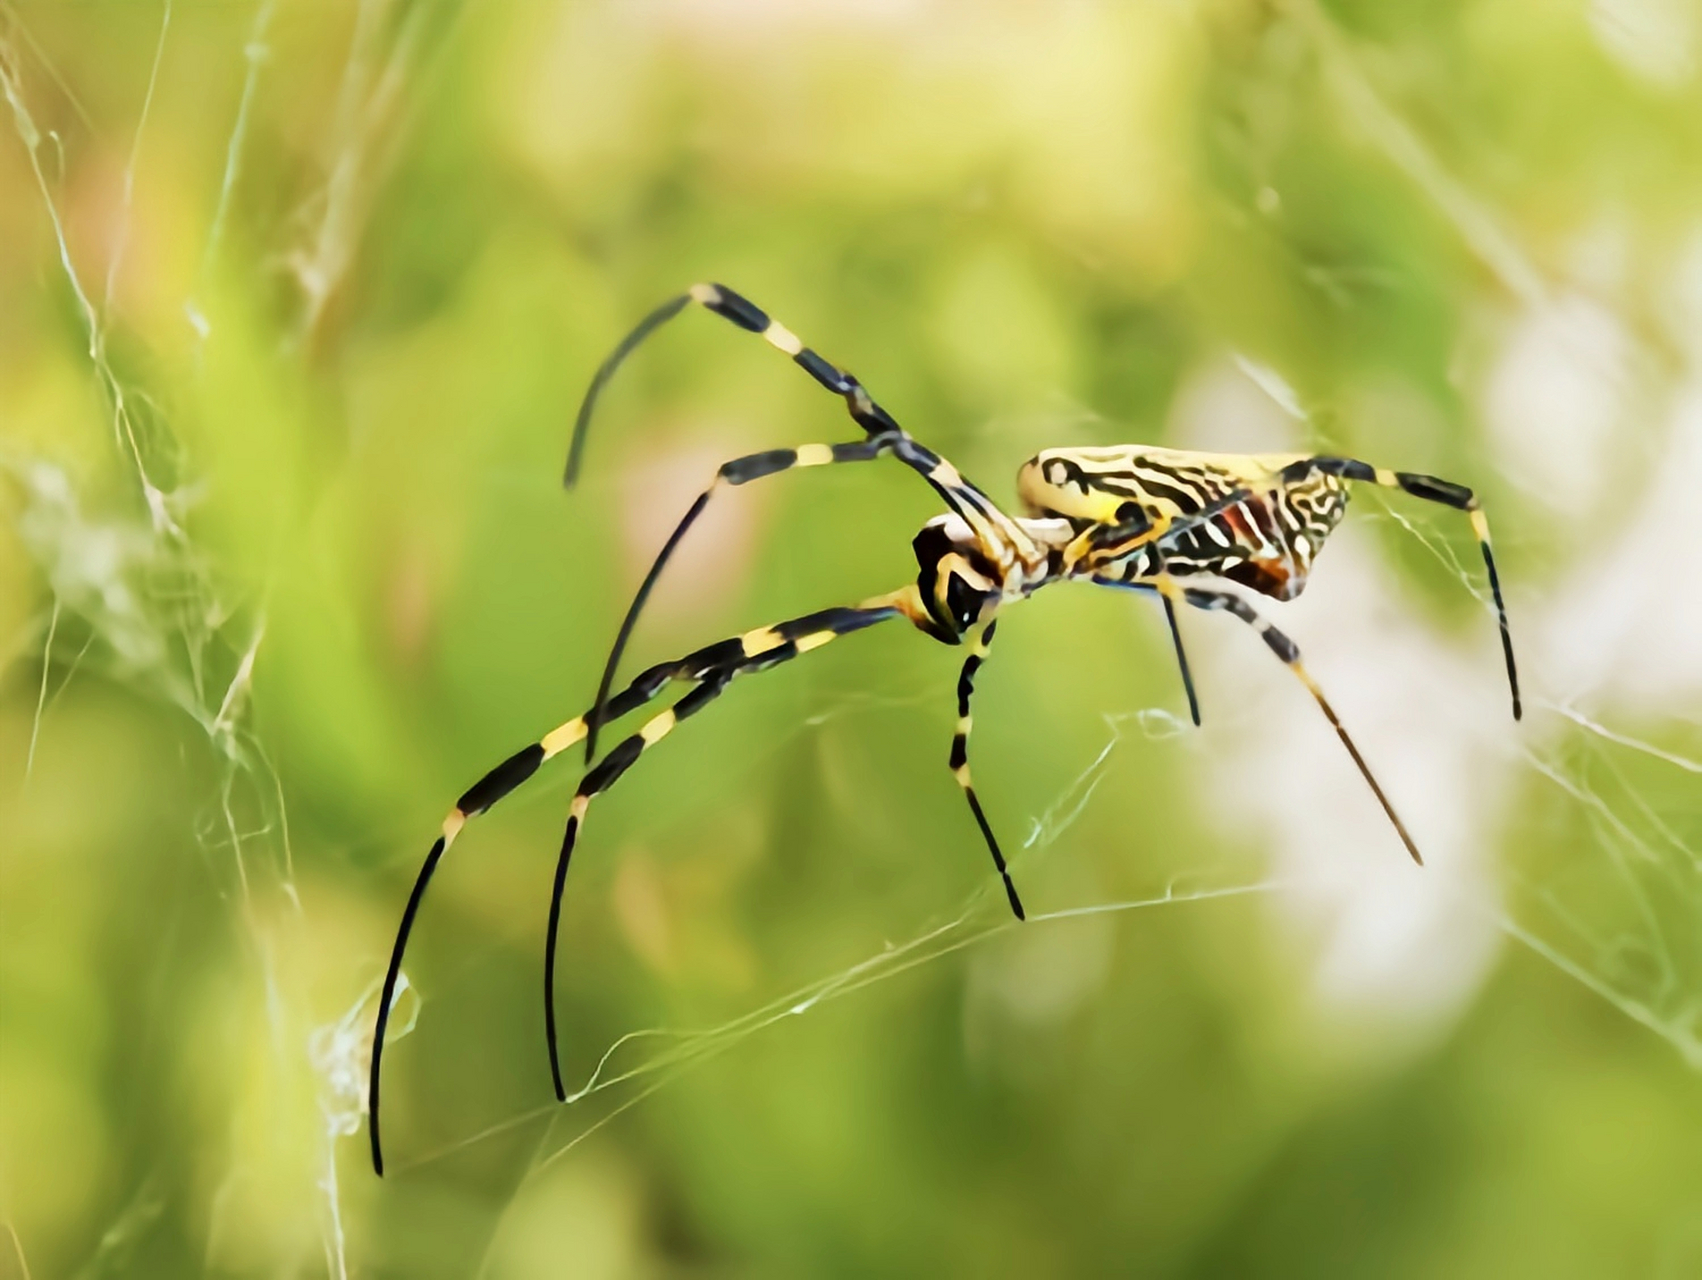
[
  {"x": 732, "y": 306},
  {"x": 1449, "y": 495},
  {"x": 1164, "y": 586},
  {"x": 1168, "y": 591},
  {"x": 996, "y": 531},
  {"x": 978, "y": 653},
  {"x": 479, "y": 797},
  {"x": 739, "y": 471},
  {"x": 603, "y": 776},
  {"x": 754, "y": 651},
  {"x": 963, "y": 497},
  {"x": 1289, "y": 652}
]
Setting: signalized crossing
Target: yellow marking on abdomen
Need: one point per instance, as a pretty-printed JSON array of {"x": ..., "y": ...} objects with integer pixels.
[
  {"x": 1386, "y": 478},
  {"x": 658, "y": 728},
  {"x": 964, "y": 724},
  {"x": 814, "y": 455},
  {"x": 961, "y": 773},
  {"x": 815, "y": 640},
  {"x": 782, "y": 339},
  {"x": 564, "y": 736},
  {"x": 452, "y": 826},
  {"x": 704, "y": 294},
  {"x": 1480, "y": 524},
  {"x": 760, "y": 641}
]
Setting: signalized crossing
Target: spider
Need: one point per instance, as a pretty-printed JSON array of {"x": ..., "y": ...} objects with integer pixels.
[{"x": 1176, "y": 524}]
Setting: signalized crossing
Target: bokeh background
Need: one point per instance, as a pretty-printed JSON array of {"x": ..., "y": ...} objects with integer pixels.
[{"x": 297, "y": 301}]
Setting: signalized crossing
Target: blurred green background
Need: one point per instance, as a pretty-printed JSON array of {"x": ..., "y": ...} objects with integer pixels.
[{"x": 297, "y": 301}]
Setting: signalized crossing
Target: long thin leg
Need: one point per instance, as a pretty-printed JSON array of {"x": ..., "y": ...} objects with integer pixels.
[
  {"x": 1448, "y": 494},
  {"x": 1181, "y": 653},
  {"x": 600, "y": 779},
  {"x": 742, "y": 312},
  {"x": 994, "y": 529},
  {"x": 997, "y": 532},
  {"x": 978, "y": 652},
  {"x": 479, "y": 797},
  {"x": 739, "y": 471},
  {"x": 1289, "y": 652},
  {"x": 652, "y": 322},
  {"x": 1166, "y": 589},
  {"x": 754, "y": 651},
  {"x": 963, "y": 497}
]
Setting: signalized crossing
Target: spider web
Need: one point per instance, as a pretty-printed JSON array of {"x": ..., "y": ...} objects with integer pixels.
[
  {"x": 1597, "y": 780},
  {"x": 151, "y": 607}
]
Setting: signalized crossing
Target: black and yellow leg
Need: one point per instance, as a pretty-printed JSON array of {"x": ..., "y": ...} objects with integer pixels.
[
  {"x": 963, "y": 497},
  {"x": 475, "y": 800},
  {"x": 1170, "y": 593},
  {"x": 997, "y": 533},
  {"x": 1167, "y": 590},
  {"x": 756, "y": 650},
  {"x": 1289, "y": 652},
  {"x": 606, "y": 773},
  {"x": 744, "y": 313},
  {"x": 1448, "y": 494},
  {"x": 959, "y": 761},
  {"x": 739, "y": 471}
]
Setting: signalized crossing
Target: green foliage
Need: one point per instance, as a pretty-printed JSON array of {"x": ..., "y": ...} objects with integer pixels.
[{"x": 297, "y": 303}]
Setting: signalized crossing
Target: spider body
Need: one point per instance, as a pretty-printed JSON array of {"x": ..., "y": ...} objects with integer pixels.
[{"x": 1167, "y": 522}]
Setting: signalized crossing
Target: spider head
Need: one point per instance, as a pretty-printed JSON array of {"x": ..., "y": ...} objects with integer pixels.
[{"x": 957, "y": 585}]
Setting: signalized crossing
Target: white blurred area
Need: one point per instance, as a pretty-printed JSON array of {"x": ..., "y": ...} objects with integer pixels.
[
  {"x": 1593, "y": 439},
  {"x": 1655, "y": 40},
  {"x": 1623, "y": 628},
  {"x": 1384, "y": 937}
]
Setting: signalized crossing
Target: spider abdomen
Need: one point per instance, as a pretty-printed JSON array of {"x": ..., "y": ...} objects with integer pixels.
[{"x": 1265, "y": 542}]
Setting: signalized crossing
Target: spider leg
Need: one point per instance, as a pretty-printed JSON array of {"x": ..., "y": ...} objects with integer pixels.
[
  {"x": 738, "y": 309},
  {"x": 1168, "y": 591},
  {"x": 978, "y": 652},
  {"x": 475, "y": 800},
  {"x": 991, "y": 526},
  {"x": 479, "y": 797},
  {"x": 1168, "y": 594},
  {"x": 754, "y": 651},
  {"x": 652, "y": 322},
  {"x": 1289, "y": 652},
  {"x": 748, "y": 652},
  {"x": 997, "y": 533},
  {"x": 1448, "y": 494},
  {"x": 739, "y": 471},
  {"x": 963, "y": 497}
]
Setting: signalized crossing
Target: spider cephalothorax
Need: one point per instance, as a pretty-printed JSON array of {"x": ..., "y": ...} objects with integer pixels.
[
  {"x": 957, "y": 584},
  {"x": 1131, "y": 516}
]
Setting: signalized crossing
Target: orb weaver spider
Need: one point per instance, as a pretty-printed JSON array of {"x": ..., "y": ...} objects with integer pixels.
[{"x": 1128, "y": 516}]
